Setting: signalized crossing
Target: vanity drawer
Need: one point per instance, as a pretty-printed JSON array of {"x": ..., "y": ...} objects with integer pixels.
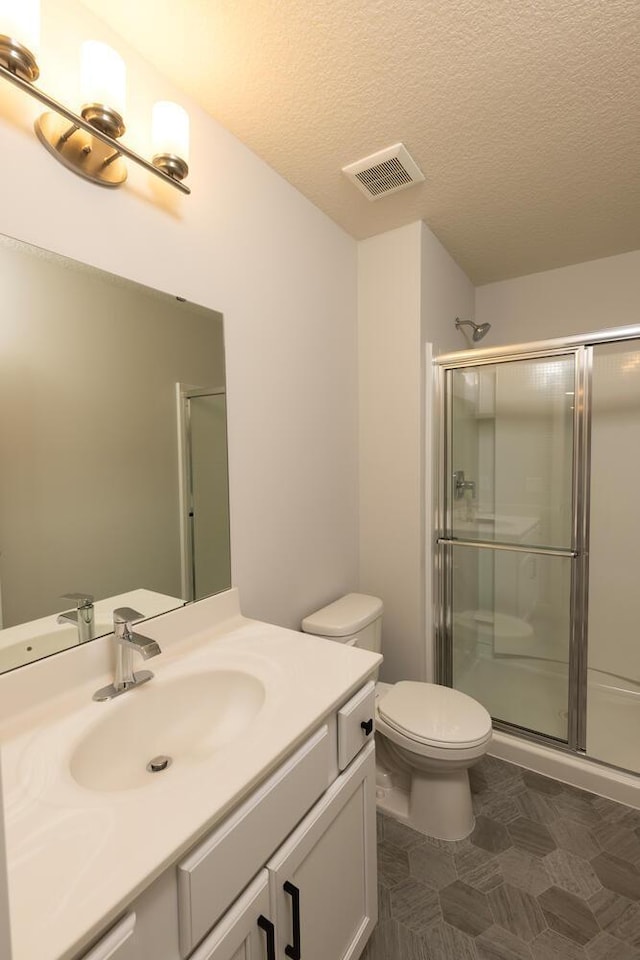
[
  {"x": 213, "y": 874},
  {"x": 118, "y": 944},
  {"x": 356, "y": 724}
]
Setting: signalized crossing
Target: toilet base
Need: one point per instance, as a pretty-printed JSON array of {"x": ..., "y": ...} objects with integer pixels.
[
  {"x": 434, "y": 803},
  {"x": 440, "y": 804}
]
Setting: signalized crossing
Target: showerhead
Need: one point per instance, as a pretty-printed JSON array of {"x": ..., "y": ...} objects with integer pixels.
[{"x": 479, "y": 329}]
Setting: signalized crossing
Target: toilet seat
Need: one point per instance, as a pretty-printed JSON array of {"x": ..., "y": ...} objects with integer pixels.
[{"x": 434, "y": 717}]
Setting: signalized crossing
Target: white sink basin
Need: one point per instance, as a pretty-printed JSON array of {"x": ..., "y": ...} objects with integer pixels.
[{"x": 186, "y": 719}]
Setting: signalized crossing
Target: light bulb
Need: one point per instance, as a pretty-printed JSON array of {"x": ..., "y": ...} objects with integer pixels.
[
  {"x": 20, "y": 20},
  {"x": 170, "y": 128},
  {"x": 103, "y": 77}
]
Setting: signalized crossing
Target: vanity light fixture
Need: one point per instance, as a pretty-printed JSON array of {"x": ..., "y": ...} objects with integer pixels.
[
  {"x": 20, "y": 43},
  {"x": 170, "y": 131},
  {"x": 89, "y": 143}
]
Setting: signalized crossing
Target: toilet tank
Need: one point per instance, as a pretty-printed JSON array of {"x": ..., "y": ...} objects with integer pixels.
[{"x": 355, "y": 619}]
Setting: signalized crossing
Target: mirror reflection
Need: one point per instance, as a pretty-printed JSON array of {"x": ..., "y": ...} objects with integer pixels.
[{"x": 113, "y": 484}]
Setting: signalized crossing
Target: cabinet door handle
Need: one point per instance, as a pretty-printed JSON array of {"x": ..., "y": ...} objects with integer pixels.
[
  {"x": 367, "y": 726},
  {"x": 269, "y": 929},
  {"x": 293, "y": 950}
]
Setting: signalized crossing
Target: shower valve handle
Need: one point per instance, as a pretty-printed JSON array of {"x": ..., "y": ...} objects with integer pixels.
[{"x": 460, "y": 485}]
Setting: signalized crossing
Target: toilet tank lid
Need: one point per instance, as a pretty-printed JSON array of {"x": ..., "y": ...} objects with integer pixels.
[{"x": 344, "y": 617}]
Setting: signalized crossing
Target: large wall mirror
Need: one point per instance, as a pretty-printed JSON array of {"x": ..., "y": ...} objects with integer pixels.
[{"x": 113, "y": 453}]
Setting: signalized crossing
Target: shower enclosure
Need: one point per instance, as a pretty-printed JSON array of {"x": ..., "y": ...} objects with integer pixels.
[{"x": 538, "y": 533}]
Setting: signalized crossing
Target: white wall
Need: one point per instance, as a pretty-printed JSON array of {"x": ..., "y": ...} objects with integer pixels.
[
  {"x": 390, "y": 424},
  {"x": 571, "y": 300},
  {"x": 409, "y": 293},
  {"x": 446, "y": 293},
  {"x": 284, "y": 276}
]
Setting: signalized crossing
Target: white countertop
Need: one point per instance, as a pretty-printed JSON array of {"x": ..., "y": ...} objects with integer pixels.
[{"x": 76, "y": 856}]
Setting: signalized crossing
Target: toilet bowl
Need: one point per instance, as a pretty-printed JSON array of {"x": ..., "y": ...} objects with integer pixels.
[
  {"x": 433, "y": 734},
  {"x": 427, "y": 735}
]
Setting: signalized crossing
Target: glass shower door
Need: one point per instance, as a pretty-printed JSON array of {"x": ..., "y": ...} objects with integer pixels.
[
  {"x": 613, "y": 675},
  {"x": 508, "y": 537}
]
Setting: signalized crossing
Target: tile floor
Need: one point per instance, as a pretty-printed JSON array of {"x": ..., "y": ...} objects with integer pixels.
[{"x": 549, "y": 873}]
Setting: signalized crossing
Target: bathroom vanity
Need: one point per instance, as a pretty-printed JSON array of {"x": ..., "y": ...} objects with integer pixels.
[{"x": 256, "y": 841}]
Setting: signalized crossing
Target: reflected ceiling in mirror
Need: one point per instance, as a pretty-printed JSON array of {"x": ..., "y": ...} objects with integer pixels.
[{"x": 114, "y": 479}]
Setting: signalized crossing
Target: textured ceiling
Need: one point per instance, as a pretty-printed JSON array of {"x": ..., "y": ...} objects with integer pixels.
[{"x": 523, "y": 114}]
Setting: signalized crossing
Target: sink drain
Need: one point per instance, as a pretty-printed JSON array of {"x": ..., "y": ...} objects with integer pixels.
[{"x": 158, "y": 764}]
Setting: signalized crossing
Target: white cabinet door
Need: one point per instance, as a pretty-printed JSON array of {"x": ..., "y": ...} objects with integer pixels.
[
  {"x": 118, "y": 944},
  {"x": 323, "y": 878},
  {"x": 246, "y": 931}
]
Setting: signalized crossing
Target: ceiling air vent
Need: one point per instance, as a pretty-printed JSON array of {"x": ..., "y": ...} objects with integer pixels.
[{"x": 384, "y": 172}]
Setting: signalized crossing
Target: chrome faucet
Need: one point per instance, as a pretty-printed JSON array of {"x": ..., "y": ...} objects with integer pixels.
[
  {"x": 82, "y": 617},
  {"x": 126, "y": 642}
]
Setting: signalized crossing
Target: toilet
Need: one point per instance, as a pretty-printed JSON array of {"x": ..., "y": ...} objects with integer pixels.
[{"x": 427, "y": 735}]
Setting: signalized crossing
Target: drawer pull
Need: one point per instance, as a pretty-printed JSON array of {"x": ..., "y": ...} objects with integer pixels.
[
  {"x": 269, "y": 929},
  {"x": 367, "y": 726},
  {"x": 293, "y": 950}
]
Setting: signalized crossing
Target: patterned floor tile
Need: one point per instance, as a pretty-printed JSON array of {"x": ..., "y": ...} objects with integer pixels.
[
  {"x": 484, "y": 877},
  {"x": 490, "y": 835},
  {"x": 517, "y": 911},
  {"x": 415, "y": 905},
  {"x": 572, "y": 873},
  {"x": 393, "y": 864},
  {"x": 536, "y": 806},
  {"x": 616, "y": 838},
  {"x": 575, "y": 805},
  {"x": 568, "y": 915},
  {"x": 384, "y": 902},
  {"x": 496, "y": 943},
  {"x": 470, "y": 858},
  {"x": 401, "y": 835},
  {"x": 631, "y": 817},
  {"x": 552, "y": 946},
  {"x": 523, "y": 870},
  {"x": 445, "y": 942},
  {"x": 465, "y": 908},
  {"x": 606, "y": 947},
  {"x": 618, "y": 875},
  {"x": 531, "y": 836},
  {"x": 574, "y": 837},
  {"x": 610, "y": 810},
  {"x": 627, "y": 926},
  {"x": 607, "y": 907},
  {"x": 499, "y": 771},
  {"x": 391, "y": 941},
  {"x": 500, "y": 808},
  {"x": 549, "y": 873},
  {"x": 535, "y": 781},
  {"x": 432, "y": 865}
]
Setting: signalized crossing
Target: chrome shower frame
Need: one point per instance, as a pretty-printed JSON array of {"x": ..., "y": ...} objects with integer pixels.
[{"x": 581, "y": 348}]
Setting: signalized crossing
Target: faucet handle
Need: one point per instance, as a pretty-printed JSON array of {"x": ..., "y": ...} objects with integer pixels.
[
  {"x": 81, "y": 599},
  {"x": 126, "y": 615}
]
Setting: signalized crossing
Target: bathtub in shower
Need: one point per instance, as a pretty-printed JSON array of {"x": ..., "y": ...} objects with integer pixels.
[{"x": 533, "y": 693}]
